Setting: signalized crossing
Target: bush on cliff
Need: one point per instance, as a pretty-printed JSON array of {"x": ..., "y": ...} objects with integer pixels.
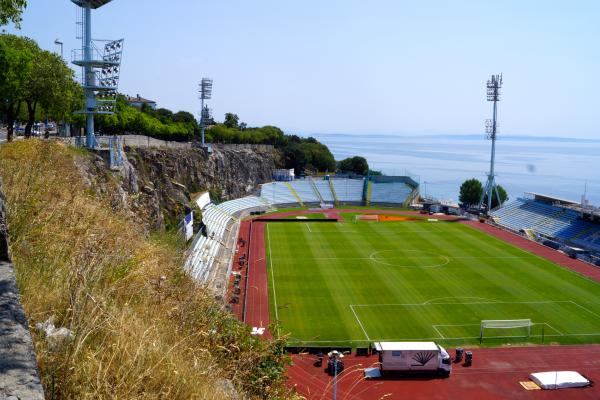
[{"x": 142, "y": 328}]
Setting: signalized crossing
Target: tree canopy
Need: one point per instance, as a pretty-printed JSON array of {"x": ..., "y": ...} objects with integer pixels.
[
  {"x": 470, "y": 192},
  {"x": 357, "y": 165},
  {"x": 35, "y": 79},
  {"x": 11, "y": 11},
  {"x": 503, "y": 197}
]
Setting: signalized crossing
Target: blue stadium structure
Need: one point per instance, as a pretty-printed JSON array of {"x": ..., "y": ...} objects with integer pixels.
[
  {"x": 544, "y": 217},
  {"x": 396, "y": 190}
]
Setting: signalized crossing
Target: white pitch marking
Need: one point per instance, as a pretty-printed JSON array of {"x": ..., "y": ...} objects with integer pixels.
[
  {"x": 308, "y": 226},
  {"x": 359, "y": 323},
  {"x": 272, "y": 276},
  {"x": 438, "y": 332}
]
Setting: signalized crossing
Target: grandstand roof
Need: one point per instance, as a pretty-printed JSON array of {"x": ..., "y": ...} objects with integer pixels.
[
  {"x": 550, "y": 199},
  {"x": 590, "y": 211}
]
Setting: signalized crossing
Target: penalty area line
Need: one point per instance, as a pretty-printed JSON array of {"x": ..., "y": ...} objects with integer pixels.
[{"x": 359, "y": 323}]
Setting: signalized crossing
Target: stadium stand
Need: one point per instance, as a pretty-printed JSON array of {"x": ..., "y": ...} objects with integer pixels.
[
  {"x": 219, "y": 220},
  {"x": 348, "y": 190},
  {"x": 324, "y": 189},
  {"x": 551, "y": 221},
  {"x": 305, "y": 191},
  {"x": 389, "y": 192},
  {"x": 277, "y": 193}
]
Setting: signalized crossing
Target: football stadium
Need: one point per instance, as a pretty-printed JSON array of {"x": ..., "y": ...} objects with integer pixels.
[{"x": 345, "y": 263}]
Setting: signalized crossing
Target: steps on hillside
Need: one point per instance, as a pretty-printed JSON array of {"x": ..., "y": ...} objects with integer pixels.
[{"x": 289, "y": 185}]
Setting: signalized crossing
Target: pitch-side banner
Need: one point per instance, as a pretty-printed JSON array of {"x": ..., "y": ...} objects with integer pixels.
[{"x": 188, "y": 226}]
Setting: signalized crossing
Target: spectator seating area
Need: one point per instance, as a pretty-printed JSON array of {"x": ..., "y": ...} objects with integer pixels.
[
  {"x": 314, "y": 190},
  {"x": 548, "y": 220},
  {"x": 348, "y": 190},
  {"x": 323, "y": 187},
  {"x": 218, "y": 220},
  {"x": 277, "y": 193},
  {"x": 390, "y": 192},
  {"x": 305, "y": 190}
]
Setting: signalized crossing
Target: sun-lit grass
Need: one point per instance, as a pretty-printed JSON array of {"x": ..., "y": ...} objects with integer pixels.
[
  {"x": 413, "y": 280},
  {"x": 142, "y": 328}
]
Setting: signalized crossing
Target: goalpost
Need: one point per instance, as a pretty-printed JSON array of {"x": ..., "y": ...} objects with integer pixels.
[
  {"x": 524, "y": 324},
  {"x": 366, "y": 217}
]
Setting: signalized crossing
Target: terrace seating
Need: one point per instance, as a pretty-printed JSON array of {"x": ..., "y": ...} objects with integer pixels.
[
  {"x": 277, "y": 193},
  {"x": 323, "y": 188},
  {"x": 549, "y": 220},
  {"x": 217, "y": 218},
  {"x": 305, "y": 191},
  {"x": 350, "y": 190},
  {"x": 390, "y": 192}
]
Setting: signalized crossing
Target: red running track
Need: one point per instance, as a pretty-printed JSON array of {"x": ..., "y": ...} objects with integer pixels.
[{"x": 495, "y": 374}]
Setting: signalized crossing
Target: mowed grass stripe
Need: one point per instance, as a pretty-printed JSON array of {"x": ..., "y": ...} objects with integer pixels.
[{"x": 320, "y": 272}]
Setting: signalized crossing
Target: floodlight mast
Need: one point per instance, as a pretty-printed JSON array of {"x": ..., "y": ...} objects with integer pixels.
[
  {"x": 493, "y": 95},
  {"x": 100, "y": 87},
  {"x": 205, "y": 94}
]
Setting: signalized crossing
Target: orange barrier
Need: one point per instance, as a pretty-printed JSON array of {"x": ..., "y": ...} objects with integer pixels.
[{"x": 396, "y": 218}]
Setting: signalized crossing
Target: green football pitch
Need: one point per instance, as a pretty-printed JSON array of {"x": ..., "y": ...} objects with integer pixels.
[{"x": 349, "y": 284}]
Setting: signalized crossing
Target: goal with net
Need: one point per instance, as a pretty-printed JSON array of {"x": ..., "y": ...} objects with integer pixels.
[
  {"x": 519, "y": 327},
  {"x": 366, "y": 217}
]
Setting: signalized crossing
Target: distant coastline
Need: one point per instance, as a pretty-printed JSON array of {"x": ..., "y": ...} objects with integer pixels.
[{"x": 474, "y": 136}]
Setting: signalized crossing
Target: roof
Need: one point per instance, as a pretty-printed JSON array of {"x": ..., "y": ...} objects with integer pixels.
[
  {"x": 93, "y": 3},
  {"x": 138, "y": 99},
  {"x": 390, "y": 346},
  {"x": 553, "y": 199}
]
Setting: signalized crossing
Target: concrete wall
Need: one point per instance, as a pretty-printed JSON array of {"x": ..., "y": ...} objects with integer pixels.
[{"x": 19, "y": 378}]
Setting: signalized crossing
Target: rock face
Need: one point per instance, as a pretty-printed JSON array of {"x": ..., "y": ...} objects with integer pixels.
[
  {"x": 19, "y": 376},
  {"x": 156, "y": 184}
]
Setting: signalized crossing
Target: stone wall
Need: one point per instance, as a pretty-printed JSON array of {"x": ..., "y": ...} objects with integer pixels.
[{"x": 19, "y": 377}]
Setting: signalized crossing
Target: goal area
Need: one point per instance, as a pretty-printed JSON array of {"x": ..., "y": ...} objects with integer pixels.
[
  {"x": 366, "y": 217},
  {"x": 501, "y": 328}
]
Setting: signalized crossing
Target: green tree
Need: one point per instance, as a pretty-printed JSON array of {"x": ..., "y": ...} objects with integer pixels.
[
  {"x": 470, "y": 192},
  {"x": 357, "y": 165},
  {"x": 50, "y": 85},
  {"x": 11, "y": 11},
  {"x": 503, "y": 197},
  {"x": 231, "y": 121},
  {"x": 16, "y": 63}
]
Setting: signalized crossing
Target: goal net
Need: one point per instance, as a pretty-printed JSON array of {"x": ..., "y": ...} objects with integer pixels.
[
  {"x": 366, "y": 217},
  {"x": 505, "y": 328}
]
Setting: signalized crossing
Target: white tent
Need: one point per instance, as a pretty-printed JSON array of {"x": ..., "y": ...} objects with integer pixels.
[{"x": 559, "y": 379}]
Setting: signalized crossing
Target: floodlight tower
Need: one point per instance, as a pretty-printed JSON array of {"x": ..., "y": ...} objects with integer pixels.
[
  {"x": 100, "y": 69},
  {"x": 493, "y": 94},
  {"x": 205, "y": 115}
]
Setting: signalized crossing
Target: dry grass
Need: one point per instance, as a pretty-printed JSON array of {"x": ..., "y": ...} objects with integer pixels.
[{"x": 143, "y": 330}]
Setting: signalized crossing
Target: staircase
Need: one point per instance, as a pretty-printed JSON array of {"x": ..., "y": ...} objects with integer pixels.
[
  {"x": 335, "y": 198},
  {"x": 294, "y": 193},
  {"x": 316, "y": 190},
  {"x": 369, "y": 191}
]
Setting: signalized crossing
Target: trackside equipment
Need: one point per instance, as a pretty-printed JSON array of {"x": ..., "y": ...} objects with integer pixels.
[{"x": 413, "y": 357}]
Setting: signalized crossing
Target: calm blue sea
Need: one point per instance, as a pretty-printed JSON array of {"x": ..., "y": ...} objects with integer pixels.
[{"x": 555, "y": 166}]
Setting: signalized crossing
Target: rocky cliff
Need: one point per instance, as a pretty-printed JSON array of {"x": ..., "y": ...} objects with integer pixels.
[{"x": 157, "y": 184}]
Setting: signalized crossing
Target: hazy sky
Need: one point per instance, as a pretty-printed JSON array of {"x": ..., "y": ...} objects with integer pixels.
[{"x": 406, "y": 67}]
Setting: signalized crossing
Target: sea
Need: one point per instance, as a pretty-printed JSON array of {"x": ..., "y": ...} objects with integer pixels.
[{"x": 561, "y": 167}]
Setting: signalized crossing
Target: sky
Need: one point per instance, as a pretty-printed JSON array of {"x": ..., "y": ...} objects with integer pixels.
[{"x": 360, "y": 67}]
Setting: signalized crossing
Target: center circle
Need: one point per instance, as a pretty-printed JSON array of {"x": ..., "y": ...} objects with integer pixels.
[{"x": 409, "y": 258}]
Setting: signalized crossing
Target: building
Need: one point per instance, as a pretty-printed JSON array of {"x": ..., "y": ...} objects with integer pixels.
[{"x": 138, "y": 101}]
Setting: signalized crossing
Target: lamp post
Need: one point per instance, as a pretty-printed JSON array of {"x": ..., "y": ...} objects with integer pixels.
[{"x": 59, "y": 43}]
